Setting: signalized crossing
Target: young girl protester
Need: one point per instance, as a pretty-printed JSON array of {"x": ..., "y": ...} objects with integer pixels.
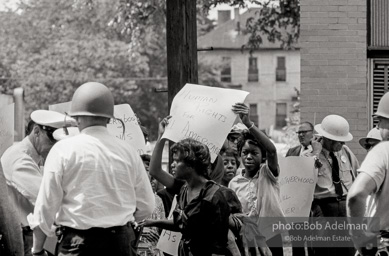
[
  {"x": 258, "y": 188},
  {"x": 230, "y": 163},
  {"x": 202, "y": 212}
]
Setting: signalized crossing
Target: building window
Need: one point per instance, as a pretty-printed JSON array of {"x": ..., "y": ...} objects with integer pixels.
[
  {"x": 253, "y": 70},
  {"x": 254, "y": 114},
  {"x": 281, "y": 109},
  {"x": 281, "y": 70},
  {"x": 225, "y": 74}
]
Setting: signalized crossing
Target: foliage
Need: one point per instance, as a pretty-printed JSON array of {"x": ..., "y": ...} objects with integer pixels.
[
  {"x": 50, "y": 47},
  {"x": 277, "y": 20}
]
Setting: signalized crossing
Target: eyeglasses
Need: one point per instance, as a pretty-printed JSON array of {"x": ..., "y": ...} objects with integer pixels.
[
  {"x": 303, "y": 132},
  {"x": 49, "y": 131}
]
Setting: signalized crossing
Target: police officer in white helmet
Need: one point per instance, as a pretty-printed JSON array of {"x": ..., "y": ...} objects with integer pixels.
[
  {"x": 335, "y": 175},
  {"x": 372, "y": 180},
  {"x": 94, "y": 185}
]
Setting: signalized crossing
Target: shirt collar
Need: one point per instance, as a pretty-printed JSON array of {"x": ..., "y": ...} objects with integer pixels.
[
  {"x": 94, "y": 129},
  {"x": 241, "y": 177}
]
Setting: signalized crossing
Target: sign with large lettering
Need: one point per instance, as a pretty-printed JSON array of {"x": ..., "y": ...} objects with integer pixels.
[
  {"x": 6, "y": 127},
  {"x": 204, "y": 114},
  {"x": 297, "y": 181}
]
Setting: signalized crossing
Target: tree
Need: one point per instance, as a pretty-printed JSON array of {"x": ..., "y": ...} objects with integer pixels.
[
  {"x": 53, "y": 46},
  {"x": 277, "y": 20}
]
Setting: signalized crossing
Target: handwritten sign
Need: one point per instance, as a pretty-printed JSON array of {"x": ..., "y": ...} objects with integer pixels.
[
  {"x": 297, "y": 180},
  {"x": 204, "y": 114},
  {"x": 169, "y": 240},
  {"x": 133, "y": 134},
  {"x": 6, "y": 127}
]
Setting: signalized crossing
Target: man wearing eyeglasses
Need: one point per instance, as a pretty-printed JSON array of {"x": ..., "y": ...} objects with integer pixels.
[
  {"x": 22, "y": 164},
  {"x": 305, "y": 136}
]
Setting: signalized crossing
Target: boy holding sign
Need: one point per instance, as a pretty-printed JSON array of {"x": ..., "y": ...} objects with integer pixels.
[{"x": 258, "y": 188}]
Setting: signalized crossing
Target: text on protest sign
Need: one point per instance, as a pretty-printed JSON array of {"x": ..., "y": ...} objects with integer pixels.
[
  {"x": 6, "y": 127},
  {"x": 204, "y": 114},
  {"x": 297, "y": 181},
  {"x": 133, "y": 133},
  {"x": 169, "y": 240}
]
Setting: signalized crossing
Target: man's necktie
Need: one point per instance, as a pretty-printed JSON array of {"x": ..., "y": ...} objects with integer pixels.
[{"x": 335, "y": 175}]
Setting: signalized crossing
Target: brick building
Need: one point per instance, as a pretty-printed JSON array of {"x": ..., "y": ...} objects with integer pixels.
[
  {"x": 344, "y": 61},
  {"x": 270, "y": 74}
]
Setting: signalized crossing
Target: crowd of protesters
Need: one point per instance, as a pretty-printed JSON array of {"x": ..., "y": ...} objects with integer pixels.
[{"x": 99, "y": 197}]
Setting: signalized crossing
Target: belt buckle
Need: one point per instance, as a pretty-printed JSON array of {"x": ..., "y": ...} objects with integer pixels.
[{"x": 339, "y": 198}]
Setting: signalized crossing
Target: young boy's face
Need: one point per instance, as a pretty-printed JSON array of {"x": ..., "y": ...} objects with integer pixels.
[
  {"x": 251, "y": 156},
  {"x": 230, "y": 167}
]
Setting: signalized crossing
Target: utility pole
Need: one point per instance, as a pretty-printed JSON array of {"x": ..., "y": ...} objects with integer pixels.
[{"x": 181, "y": 41}]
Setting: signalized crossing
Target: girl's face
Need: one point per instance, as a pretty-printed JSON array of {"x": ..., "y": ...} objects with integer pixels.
[
  {"x": 230, "y": 167},
  {"x": 180, "y": 169},
  {"x": 251, "y": 157}
]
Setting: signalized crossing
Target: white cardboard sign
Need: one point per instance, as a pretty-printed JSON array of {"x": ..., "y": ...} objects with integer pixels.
[
  {"x": 203, "y": 113},
  {"x": 297, "y": 181},
  {"x": 6, "y": 127},
  {"x": 169, "y": 240}
]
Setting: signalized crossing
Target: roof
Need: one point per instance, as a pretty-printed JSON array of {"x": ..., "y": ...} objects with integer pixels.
[{"x": 226, "y": 36}]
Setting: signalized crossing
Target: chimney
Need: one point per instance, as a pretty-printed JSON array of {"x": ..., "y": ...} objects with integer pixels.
[
  {"x": 223, "y": 16},
  {"x": 237, "y": 19}
]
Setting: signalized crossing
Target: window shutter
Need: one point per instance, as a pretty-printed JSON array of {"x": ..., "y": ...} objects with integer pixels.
[{"x": 380, "y": 82}]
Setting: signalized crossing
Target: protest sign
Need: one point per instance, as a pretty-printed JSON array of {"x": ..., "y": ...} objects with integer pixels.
[
  {"x": 6, "y": 127},
  {"x": 204, "y": 114},
  {"x": 169, "y": 240},
  {"x": 297, "y": 181},
  {"x": 133, "y": 134}
]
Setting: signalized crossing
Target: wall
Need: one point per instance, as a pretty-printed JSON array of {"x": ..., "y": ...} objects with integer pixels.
[{"x": 334, "y": 64}]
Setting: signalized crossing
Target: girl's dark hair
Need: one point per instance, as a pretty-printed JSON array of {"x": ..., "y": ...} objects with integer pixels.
[
  {"x": 194, "y": 154},
  {"x": 247, "y": 136},
  {"x": 233, "y": 153}
]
